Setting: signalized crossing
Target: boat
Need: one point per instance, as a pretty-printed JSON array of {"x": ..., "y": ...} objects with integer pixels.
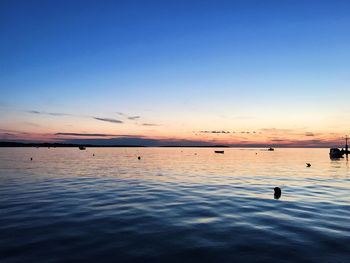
[
  {"x": 219, "y": 152},
  {"x": 335, "y": 153},
  {"x": 270, "y": 149},
  {"x": 82, "y": 148}
]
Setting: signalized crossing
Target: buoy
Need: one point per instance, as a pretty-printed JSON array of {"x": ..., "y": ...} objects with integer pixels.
[
  {"x": 278, "y": 192},
  {"x": 93, "y": 154},
  {"x": 139, "y": 157},
  {"x": 31, "y": 158},
  {"x": 308, "y": 164}
]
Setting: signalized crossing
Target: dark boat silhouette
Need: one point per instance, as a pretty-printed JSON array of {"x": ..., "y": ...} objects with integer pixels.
[
  {"x": 219, "y": 152},
  {"x": 82, "y": 148},
  {"x": 270, "y": 149},
  {"x": 335, "y": 153}
]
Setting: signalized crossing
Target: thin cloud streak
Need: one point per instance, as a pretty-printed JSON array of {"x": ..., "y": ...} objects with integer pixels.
[
  {"x": 224, "y": 132},
  {"x": 85, "y": 134},
  {"x": 111, "y": 120},
  {"x": 49, "y": 113},
  {"x": 134, "y": 117},
  {"x": 74, "y": 134},
  {"x": 149, "y": 124},
  {"x": 129, "y": 117}
]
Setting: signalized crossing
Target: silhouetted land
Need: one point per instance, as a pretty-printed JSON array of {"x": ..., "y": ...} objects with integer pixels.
[{"x": 21, "y": 144}]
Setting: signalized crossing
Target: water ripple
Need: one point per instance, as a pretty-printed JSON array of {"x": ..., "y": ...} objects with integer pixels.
[{"x": 172, "y": 206}]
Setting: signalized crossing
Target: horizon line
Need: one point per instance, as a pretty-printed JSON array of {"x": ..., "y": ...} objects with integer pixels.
[{"x": 12, "y": 144}]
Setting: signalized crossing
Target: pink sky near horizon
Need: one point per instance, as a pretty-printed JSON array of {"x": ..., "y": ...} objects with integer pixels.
[{"x": 59, "y": 129}]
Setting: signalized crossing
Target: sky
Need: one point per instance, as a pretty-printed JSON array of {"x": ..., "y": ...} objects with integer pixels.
[{"x": 239, "y": 72}]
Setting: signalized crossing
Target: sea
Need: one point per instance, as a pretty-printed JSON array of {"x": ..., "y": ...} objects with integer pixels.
[{"x": 173, "y": 205}]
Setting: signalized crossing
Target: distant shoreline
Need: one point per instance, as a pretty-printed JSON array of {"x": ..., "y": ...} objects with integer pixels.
[
  {"x": 20, "y": 144},
  {"x": 67, "y": 145}
]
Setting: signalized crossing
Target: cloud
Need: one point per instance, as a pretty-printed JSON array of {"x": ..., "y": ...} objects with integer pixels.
[
  {"x": 7, "y": 134},
  {"x": 214, "y": 132},
  {"x": 130, "y": 117},
  {"x": 84, "y": 134},
  {"x": 108, "y": 120},
  {"x": 278, "y": 140},
  {"x": 58, "y": 114},
  {"x": 149, "y": 124},
  {"x": 134, "y": 117},
  {"x": 12, "y": 131},
  {"x": 226, "y": 132},
  {"x": 48, "y": 113},
  {"x": 309, "y": 134},
  {"x": 34, "y": 111}
]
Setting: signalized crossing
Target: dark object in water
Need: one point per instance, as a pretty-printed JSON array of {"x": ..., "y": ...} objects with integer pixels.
[
  {"x": 270, "y": 149},
  {"x": 31, "y": 158},
  {"x": 219, "y": 152},
  {"x": 93, "y": 154},
  {"x": 278, "y": 192},
  {"x": 335, "y": 153},
  {"x": 139, "y": 157},
  {"x": 82, "y": 148},
  {"x": 308, "y": 164}
]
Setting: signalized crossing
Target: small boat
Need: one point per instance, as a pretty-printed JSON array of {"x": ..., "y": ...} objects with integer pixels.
[
  {"x": 82, "y": 148},
  {"x": 270, "y": 149},
  {"x": 219, "y": 152},
  {"x": 335, "y": 153}
]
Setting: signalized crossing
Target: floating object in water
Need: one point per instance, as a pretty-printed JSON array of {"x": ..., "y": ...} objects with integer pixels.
[
  {"x": 278, "y": 192},
  {"x": 195, "y": 153},
  {"x": 335, "y": 153},
  {"x": 256, "y": 153},
  {"x": 139, "y": 157},
  {"x": 93, "y": 154},
  {"x": 308, "y": 164},
  {"x": 82, "y": 148},
  {"x": 219, "y": 152},
  {"x": 31, "y": 158},
  {"x": 270, "y": 149}
]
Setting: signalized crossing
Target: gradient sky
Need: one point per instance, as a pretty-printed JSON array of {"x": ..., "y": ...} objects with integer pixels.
[{"x": 237, "y": 72}]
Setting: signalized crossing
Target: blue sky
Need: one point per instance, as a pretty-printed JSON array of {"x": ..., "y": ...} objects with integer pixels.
[{"x": 183, "y": 65}]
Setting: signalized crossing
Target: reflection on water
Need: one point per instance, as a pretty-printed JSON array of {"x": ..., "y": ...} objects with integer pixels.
[{"x": 173, "y": 205}]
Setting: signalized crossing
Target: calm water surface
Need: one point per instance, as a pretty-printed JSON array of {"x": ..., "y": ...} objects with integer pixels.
[{"x": 173, "y": 205}]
